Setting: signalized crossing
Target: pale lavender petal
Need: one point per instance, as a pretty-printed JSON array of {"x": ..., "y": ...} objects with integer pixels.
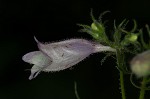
[{"x": 69, "y": 52}]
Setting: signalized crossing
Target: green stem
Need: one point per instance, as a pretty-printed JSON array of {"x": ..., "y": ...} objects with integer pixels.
[
  {"x": 143, "y": 87},
  {"x": 120, "y": 63},
  {"x": 122, "y": 85}
]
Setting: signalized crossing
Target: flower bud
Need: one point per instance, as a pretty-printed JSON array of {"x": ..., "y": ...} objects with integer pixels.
[
  {"x": 130, "y": 38},
  {"x": 94, "y": 27},
  {"x": 98, "y": 27},
  {"x": 133, "y": 37},
  {"x": 140, "y": 64}
]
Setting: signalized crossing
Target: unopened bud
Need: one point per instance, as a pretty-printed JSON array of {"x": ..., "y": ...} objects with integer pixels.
[
  {"x": 94, "y": 27},
  {"x": 98, "y": 27},
  {"x": 133, "y": 37}
]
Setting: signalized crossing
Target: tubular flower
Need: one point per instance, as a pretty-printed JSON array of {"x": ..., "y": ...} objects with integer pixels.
[
  {"x": 61, "y": 55},
  {"x": 140, "y": 64}
]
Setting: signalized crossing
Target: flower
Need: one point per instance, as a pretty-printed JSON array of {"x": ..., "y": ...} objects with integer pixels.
[
  {"x": 61, "y": 55},
  {"x": 140, "y": 64}
]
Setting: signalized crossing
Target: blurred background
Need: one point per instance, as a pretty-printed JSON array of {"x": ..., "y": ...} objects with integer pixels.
[{"x": 55, "y": 20}]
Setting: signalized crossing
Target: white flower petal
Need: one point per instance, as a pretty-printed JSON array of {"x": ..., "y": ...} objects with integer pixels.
[
  {"x": 38, "y": 58},
  {"x": 65, "y": 62},
  {"x": 35, "y": 70}
]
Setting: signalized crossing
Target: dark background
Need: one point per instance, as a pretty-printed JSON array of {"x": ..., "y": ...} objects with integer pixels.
[{"x": 55, "y": 20}]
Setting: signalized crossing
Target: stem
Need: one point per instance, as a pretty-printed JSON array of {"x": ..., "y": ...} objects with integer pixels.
[
  {"x": 143, "y": 87},
  {"x": 122, "y": 85},
  {"x": 120, "y": 63},
  {"x": 75, "y": 89}
]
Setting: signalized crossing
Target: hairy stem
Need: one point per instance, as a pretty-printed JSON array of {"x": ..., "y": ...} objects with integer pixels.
[
  {"x": 120, "y": 63},
  {"x": 143, "y": 87}
]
